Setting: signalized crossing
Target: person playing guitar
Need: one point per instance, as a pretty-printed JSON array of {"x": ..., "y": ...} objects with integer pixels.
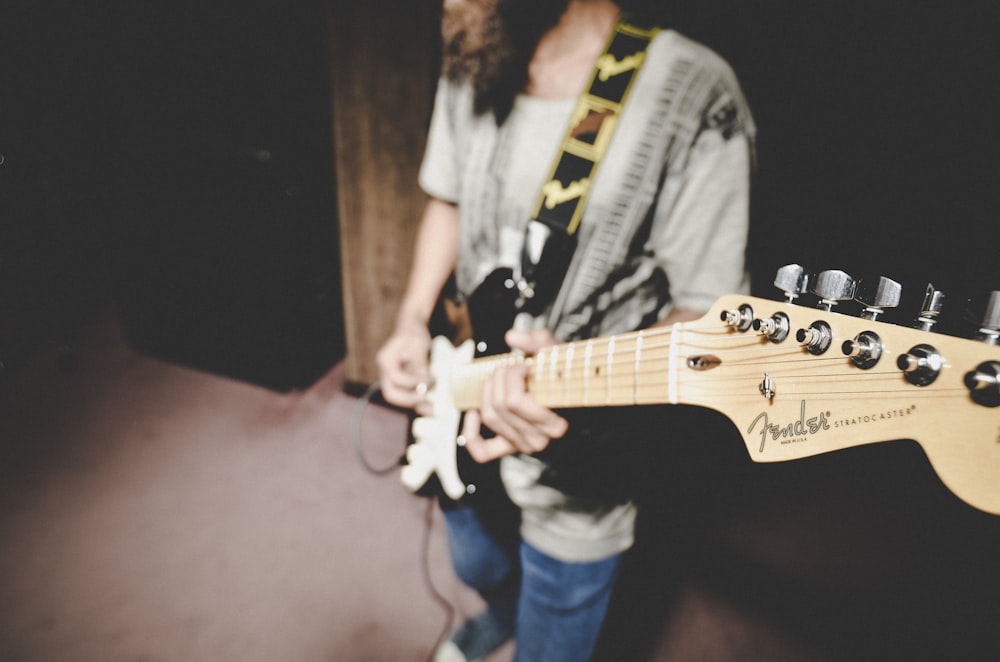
[{"x": 662, "y": 235}]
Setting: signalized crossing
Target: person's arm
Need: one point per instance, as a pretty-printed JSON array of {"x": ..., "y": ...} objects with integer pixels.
[
  {"x": 403, "y": 359},
  {"x": 435, "y": 252}
]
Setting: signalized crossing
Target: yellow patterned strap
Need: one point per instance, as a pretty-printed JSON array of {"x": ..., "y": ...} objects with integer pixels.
[{"x": 563, "y": 197}]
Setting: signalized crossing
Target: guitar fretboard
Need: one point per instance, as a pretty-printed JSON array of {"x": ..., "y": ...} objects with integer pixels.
[{"x": 639, "y": 368}]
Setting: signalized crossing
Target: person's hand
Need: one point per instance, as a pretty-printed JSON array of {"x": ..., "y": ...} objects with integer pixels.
[
  {"x": 403, "y": 367},
  {"x": 521, "y": 424}
]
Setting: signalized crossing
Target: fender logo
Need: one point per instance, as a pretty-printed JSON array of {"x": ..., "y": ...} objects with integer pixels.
[
  {"x": 608, "y": 65},
  {"x": 800, "y": 428},
  {"x": 556, "y": 194}
]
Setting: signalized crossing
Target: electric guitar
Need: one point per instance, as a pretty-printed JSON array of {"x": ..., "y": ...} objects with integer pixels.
[{"x": 796, "y": 382}]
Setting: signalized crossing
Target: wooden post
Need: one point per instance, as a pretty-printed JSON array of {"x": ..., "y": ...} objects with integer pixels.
[{"x": 384, "y": 61}]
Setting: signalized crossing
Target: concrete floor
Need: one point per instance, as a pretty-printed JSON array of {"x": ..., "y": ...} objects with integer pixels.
[{"x": 155, "y": 512}]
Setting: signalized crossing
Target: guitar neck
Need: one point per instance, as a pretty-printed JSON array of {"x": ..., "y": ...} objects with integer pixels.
[
  {"x": 826, "y": 382},
  {"x": 629, "y": 369}
]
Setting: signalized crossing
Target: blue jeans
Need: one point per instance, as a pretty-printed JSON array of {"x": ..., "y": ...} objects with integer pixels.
[{"x": 554, "y": 608}]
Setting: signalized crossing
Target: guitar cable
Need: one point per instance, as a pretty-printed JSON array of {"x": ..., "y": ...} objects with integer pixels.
[
  {"x": 356, "y": 436},
  {"x": 425, "y": 543}
]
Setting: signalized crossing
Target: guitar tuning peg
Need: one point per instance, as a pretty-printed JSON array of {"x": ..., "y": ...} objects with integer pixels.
[
  {"x": 793, "y": 280},
  {"x": 876, "y": 295},
  {"x": 990, "y": 331},
  {"x": 931, "y": 308},
  {"x": 832, "y": 287}
]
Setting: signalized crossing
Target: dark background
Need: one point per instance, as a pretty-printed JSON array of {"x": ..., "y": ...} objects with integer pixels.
[
  {"x": 877, "y": 139},
  {"x": 177, "y": 159}
]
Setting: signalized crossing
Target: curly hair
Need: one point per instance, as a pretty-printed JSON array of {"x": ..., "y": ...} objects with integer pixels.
[{"x": 489, "y": 43}]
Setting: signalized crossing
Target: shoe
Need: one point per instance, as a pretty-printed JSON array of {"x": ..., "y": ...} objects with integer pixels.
[{"x": 473, "y": 641}]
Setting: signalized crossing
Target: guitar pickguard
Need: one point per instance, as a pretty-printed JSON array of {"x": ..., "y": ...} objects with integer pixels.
[
  {"x": 434, "y": 447},
  {"x": 491, "y": 313}
]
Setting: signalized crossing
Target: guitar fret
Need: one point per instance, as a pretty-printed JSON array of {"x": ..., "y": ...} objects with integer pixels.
[
  {"x": 635, "y": 369},
  {"x": 588, "y": 352},
  {"x": 568, "y": 374},
  {"x": 553, "y": 370},
  {"x": 675, "y": 342},
  {"x": 607, "y": 376},
  {"x": 539, "y": 372}
]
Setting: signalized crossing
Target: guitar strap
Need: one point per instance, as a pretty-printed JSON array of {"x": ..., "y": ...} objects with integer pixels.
[{"x": 550, "y": 238}]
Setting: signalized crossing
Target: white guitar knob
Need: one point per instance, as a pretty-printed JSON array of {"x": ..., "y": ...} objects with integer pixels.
[{"x": 833, "y": 287}]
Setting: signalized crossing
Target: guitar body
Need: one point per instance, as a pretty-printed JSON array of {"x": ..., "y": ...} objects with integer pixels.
[{"x": 435, "y": 463}]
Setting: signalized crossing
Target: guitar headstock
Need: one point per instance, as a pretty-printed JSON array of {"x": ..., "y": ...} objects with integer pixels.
[{"x": 799, "y": 380}]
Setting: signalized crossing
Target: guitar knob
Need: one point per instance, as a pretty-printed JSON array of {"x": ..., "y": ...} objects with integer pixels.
[
  {"x": 921, "y": 365},
  {"x": 865, "y": 350},
  {"x": 876, "y": 295},
  {"x": 816, "y": 339},
  {"x": 740, "y": 319},
  {"x": 930, "y": 310},
  {"x": 776, "y": 327},
  {"x": 984, "y": 383},
  {"x": 833, "y": 287},
  {"x": 793, "y": 280},
  {"x": 990, "y": 331}
]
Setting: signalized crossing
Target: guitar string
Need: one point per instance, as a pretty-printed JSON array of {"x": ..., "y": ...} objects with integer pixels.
[
  {"x": 622, "y": 389},
  {"x": 730, "y": 381},
  {"x": 574, "y": 381},
  {"x": 625, "y": 348},
  {"x": 654, "y": 364},
  {"x": 625, "y": 393},
  {"x": 626, "y": 389}
]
